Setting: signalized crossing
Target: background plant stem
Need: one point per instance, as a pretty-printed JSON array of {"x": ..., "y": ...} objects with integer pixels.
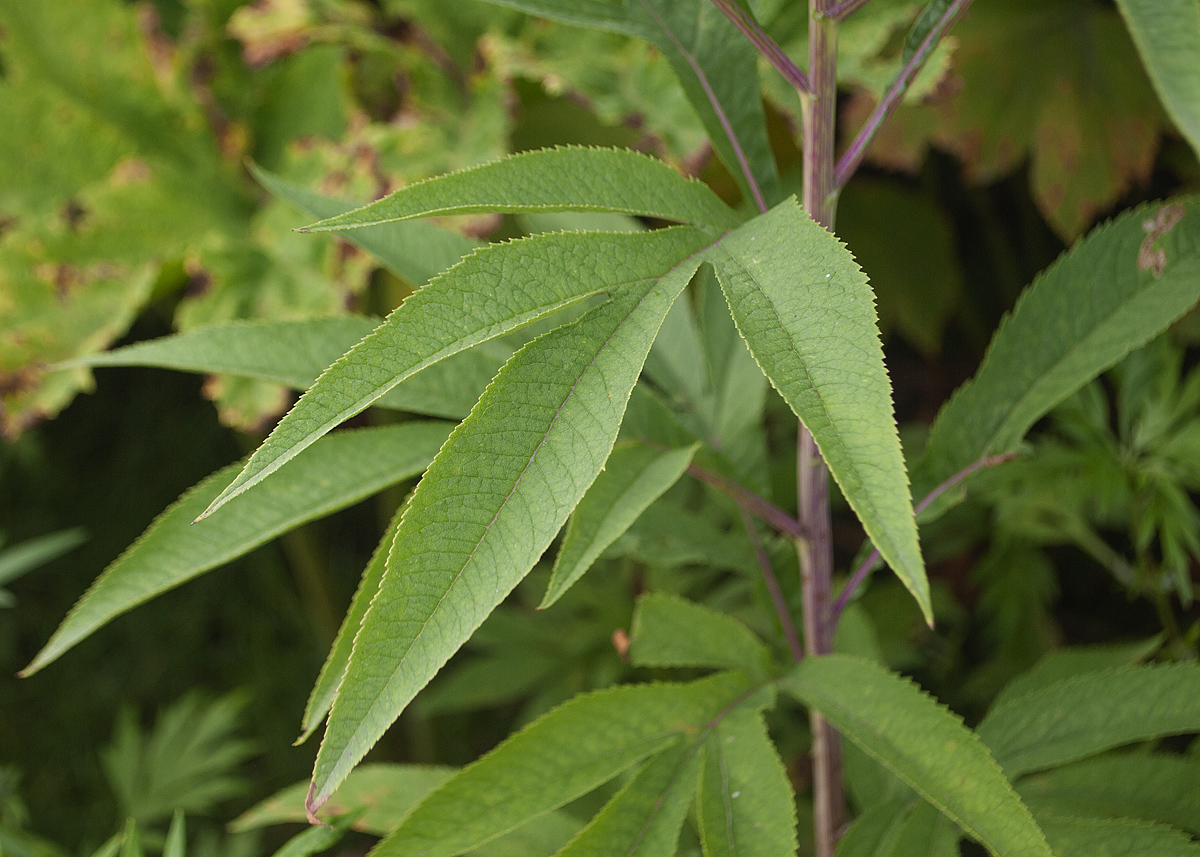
[{"x": 812, "y": 478}]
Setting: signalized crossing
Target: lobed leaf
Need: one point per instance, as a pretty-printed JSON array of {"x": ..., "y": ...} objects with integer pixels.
[
  {"x": 566, "y": 178},
  {"x": 1157, "y": 788},
  {"x": 807, "y": 314},
  {"x": 921, "y": 742},
  {"x": 295, "y": 353},
  {"x": 565, "y": 754},
  {"x": 415, "y": 251},
  {"x": 1092, "y": 713},
  {"x": 669, "y": 631},
  {"x": 492, "y": 502},
  {"x": 745, "y": 807},
  {"x": 337, "y": 472},
  {"x": 634, "y": 476},
  {"x": 1167, "y": 35},
  {"x": 1109, "y": 294},
  {"x": 498, "y": 289}
]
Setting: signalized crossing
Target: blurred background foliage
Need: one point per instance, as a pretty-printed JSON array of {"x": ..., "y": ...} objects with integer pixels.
[{"x": 127, "y": 212}]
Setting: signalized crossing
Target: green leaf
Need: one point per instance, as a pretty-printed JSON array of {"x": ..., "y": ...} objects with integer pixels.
[
  {"x": 926, "y": 833},
  {"x": 334, "y": 668},
  {"x": 567, "y": 178},
  {"x": 498, "y": 289},
  {"x": 644, "y": 818},
  {"x": 1159, "y": 788},
  {"x": 131, "y": 846},
  {"x": 1167, "y": 35},
  {"x": 33, "y": 553},
  {"x": 634, "y": 476},
  {"x": 415, "y": 251},
  {"x": 338, "y": 472},
  {"x": 1089, "y": 714},
  {"x": 176, "y": 844},
  {"x": 567, "y": 753},
  {"x": 874, "y": 831},
  {"x": 317, "y": 839},
  {"x": 921, "y": 742},
  {"x": 1072, "y": 661},
  {"x": 1090, "y": 837},
  {"x": 491, "y": 503},
  {"x": 668, "y": 631},
  {"x": 295, "y": 353},
  {"x": 807, "y": 313},
  {"x": 745, "y": 807},
  {"x": 900, "y": 828},
  {"x": 1109, "y": 294}
]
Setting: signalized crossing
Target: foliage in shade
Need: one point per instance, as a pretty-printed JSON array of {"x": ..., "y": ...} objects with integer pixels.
[
  {"x": 1090, "y": 837},
  {"x": 922, "y": 743},
  {"x": 668, "y": 631},
  {"x": 342, "y": 470}
]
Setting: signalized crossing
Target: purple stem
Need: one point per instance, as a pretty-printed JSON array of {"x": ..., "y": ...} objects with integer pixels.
[
  {"x": 716, "y": 106},
  {"x": 772, "y": 582},
  {"x": 840, "y": 11},
  {"x": 750, "y": 502},
  {"x": 854, "y": 155},
  {"x": 860, "y": 574},
  {"x": 766, "y": 46}
]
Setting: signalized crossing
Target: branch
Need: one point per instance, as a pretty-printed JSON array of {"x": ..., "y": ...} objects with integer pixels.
[
  {"x": 772, "y": 582},
  {"x": 868, "y": 564},
  {"x": 843, "y": 10},
  {"x": 750, "y": 502},
  {"x": 766, "y": 46},
  {"x": 759, "y": 200},
  {"x": 854, "y": 155}
]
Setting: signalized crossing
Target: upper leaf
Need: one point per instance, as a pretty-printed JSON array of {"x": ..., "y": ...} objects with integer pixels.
[
  {"x": 1167, "y": 35},
  {"x": 1111, "y": 293},
  {"x": 565, "y": 754},
  {"x": 295, "y": 353},
  {"x": 492, "y": 502},
  {"x": 498, "y": 289},
  {"x": 338, "y": 472},
  {"x": 895, "y": 722},
  {"x": 671, "y": 632},
  {"x": 561, "y": 179},
  {"x": 1088, "y": 714},
  {"x": 807, "y": 313},
  {"x": 634, "y": 476}
]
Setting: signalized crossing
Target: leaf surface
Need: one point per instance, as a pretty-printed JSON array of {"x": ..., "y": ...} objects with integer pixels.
[
  {"x": 745, "y": 806},
  {"x": 338, "y": 472},
  {"x": 498, "y": 289},
  {"x": 805, "y": 310},
  {"x": 1109, "y": 294},
  {"x": 634, "y": 476},
  {"x": 669, "y": 631},
  {"x": 1167, "y": 35},
  {"x": 1092, "y": 713},
  {"x": 554, "y": 760},
  {"x": 568, "y": 178},
  {"x": 921, "y": 742},
  {"x": 1090, "y": 837},
  {"x": 295, "y": 353},
  {"x": 492, "y": 502}
]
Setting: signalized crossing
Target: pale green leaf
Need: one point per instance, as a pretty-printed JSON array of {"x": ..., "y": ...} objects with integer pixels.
[
  {"x": 1167, "y": 35},
  {"x": 131, "y": 846},
  {"x": 644, "y": 818},
  {"x": 342, "y": 470},
  {"x": 1092, "y": 713},
  {"x": 601, "y": 14},
  {"x": 176, "y": 844},
  {"x": 325, "y": 689},
  {"x": 567, "y": 178},
  {"x": 415, "y": 251},
  {"x": 491, "y": 503},
  {"x": 33, "y": 553},
  {"x": 567, "y": 753},
  {"x": 668, "y": 631},
  {"x": 1109, "y": 294},
  {"x": 1071, "y": 661},
  {"x": 1159, "y": 788},
  {"x": 745, "y": 805},
  {"x": 921, "y": 742},
  {"x": 498, "y": 289},
  {"x": 1091, "y": 837},
  {"x": 805, "y": 310},
  {"x": 634, "y": 476},
  {"x": 295, "y": 353},
  {"x": 111, "y": 848},
  {"x": 317, "y": 839}
]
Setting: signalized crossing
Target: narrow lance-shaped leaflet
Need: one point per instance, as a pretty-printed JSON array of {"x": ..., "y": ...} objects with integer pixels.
[{"x": 491, "y": 503}]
